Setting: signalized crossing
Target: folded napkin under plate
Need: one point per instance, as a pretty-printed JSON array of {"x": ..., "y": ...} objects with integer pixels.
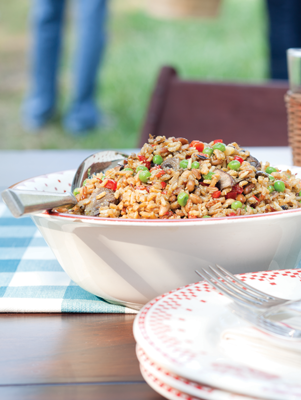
[{"x": 32, "y": 280}]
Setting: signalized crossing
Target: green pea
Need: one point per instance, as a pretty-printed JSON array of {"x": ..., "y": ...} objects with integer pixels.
[
  {"x": 183, "y": 198},
  {"x": 271, "y": 178},
  {"x": 84, "y": 182},
  {"x": 141, "y": 168},
  {"x": 269, "y": 170},
  {"x": 144, "y": 175},
  {"x": 234, "y": 165},
  {"x": 195, "y": 165},
  {"x": 299, "y": 193},
  {"x": 208, "y": 151},
  {"x": 128, "y": 169},
  {"x": 76, "y": 191},
  {"x": 208, "y": 176},
  {"x": 236, "y": 204},
  {"x": 206, "y": 216},
  {"x": 219, "y": 146},
  {"x": 184, "y": 164},
  {"x": 271, "y": 188},
  {"x": 157, "y": 159},
  {"x": 279, "y": 186}
]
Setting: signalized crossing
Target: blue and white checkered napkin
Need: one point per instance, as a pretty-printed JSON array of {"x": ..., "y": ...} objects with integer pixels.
[{"x": 32, "y": 280}]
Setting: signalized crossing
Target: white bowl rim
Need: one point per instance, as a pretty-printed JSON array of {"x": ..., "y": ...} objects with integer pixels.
[{"x": 150, "y": 222}]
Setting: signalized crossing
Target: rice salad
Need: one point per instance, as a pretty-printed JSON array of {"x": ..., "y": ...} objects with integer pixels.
[{"x": 171, "y": 178}]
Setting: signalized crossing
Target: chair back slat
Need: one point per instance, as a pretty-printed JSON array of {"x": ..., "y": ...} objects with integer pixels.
[{"x": 249, "y": 114}]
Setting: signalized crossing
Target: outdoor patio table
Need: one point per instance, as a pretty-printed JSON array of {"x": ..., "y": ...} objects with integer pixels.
[{"x": 73, "y": 356}]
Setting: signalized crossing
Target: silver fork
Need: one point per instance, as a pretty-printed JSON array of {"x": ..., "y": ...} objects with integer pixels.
[
  {"x": 244, "y": 295},
  {"x": 278, "y": 328},
  {"x": 239, "y": 291}
]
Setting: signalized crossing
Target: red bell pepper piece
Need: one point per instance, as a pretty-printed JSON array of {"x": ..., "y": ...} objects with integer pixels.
[
  {"x": 198, "y": 145},
  {"x": 141, "y": 158},
  {"x": 218, "y": 141},
  {"x": 234, "y": 192},
  {"x": 238, "y": 188},
  {"x": 160, "y": 173},
  {"x": 237, "y": 158},
  {"x": 145, "y": 162},
  {"x": 163, "y": 184},
  {"x": 111, "y": 184},
  {"x": 232, "y": 214},
  {"x": 216, "y": 194},
  {"x": 231, "y": 195}
]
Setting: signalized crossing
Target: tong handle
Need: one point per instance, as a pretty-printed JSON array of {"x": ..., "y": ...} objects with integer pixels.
[{"x": 22, "y": 202}]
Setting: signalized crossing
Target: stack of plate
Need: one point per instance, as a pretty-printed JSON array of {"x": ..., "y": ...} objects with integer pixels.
[{"x": 180, "y": 350}]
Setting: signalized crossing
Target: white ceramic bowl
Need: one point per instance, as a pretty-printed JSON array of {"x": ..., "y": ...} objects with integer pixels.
[{"x": 132, "y": 261}]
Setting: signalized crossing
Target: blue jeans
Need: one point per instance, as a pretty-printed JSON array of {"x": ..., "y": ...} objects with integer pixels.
[
  {"x": 284, "y": 32},
  {"x": 48, "y": 22}
]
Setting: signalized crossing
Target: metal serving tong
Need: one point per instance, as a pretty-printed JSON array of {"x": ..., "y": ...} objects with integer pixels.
[{"x": 21, "y": 202}]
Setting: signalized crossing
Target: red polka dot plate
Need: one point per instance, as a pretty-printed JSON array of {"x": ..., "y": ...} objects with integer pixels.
[
  {"x": 180, "y": 331},
  {"x": 160, "y": 378},
  {"x": 163, "y": 388}
]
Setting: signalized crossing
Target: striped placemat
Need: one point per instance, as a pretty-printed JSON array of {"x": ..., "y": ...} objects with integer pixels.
[{"x": 32, "y": 280}]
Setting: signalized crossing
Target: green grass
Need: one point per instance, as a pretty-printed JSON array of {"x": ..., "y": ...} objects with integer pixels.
[{"x": 232, "y": 47}]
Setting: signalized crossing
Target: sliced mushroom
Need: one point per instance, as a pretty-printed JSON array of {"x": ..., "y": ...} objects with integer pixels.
[
  {"x": 173, "y": 163},
  {"x": 285, "y": 207},
  {"x": 93, "y": 207},
  {"x": 253, "y": 161},
  {"x": 225, "y": 180},
  {"x": 261, "y": 173}
]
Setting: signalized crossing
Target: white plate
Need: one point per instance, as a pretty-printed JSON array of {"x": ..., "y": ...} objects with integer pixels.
[
  {"x": 184, "y": 385},
  {"x": 164, "y": 389},
  {"x": 181, "y": 329}
]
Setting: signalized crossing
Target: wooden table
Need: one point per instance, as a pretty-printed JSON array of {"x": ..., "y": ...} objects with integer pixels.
[
  {"x": 71, "y": 356},
  {"x": 79, "y": 356}
]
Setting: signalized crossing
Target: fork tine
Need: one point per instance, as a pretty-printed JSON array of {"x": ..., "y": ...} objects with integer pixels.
[
  {"x": 276, "y": 328},
  {"x": 243, "y": 295},
  {"x": 208, "y": 277},
  {"x": 243, "y": 284},
  {"x": 239, "y": 288}
]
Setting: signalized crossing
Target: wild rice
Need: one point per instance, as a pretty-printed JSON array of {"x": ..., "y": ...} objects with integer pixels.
[{"x": 120, "y": 193}]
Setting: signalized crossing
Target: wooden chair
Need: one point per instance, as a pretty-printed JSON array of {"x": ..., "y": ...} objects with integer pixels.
[{"x": 252, "y": 115}]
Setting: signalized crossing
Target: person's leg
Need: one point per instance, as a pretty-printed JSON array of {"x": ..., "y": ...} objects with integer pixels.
[
  {"x": 284, "y": 20},
  {"x": 47, "y": 25},
  {"x": 90, "y": 22}
]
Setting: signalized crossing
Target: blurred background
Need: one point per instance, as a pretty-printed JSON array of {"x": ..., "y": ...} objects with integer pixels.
[{"x": 232, "y": 46}]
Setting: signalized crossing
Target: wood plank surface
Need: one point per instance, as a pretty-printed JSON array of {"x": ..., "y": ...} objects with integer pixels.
[
  {"x": 139, "y": 391},
  {"x": 58, "y": 348}
]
